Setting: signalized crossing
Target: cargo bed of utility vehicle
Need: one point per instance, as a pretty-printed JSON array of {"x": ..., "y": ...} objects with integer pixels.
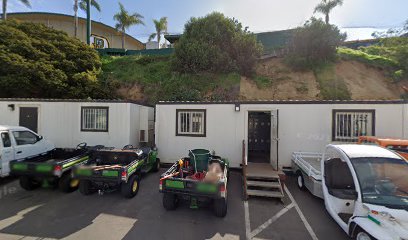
[{"x": 112, "y": 169}]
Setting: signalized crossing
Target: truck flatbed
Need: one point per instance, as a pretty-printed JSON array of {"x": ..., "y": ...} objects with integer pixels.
[{"x": 307, "y": 167}]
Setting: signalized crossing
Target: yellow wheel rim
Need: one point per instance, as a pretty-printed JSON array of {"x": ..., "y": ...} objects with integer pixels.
[
  {"x": 134, "y": 187},
  {"x": 74, "y": 183}
]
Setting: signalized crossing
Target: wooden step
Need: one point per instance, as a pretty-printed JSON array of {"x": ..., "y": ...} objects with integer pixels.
[
  {"x": 262, "y": 193},
  {"x": 263, "y": 184}
]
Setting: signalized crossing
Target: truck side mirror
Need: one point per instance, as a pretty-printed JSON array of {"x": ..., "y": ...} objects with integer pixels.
[{"x": 39, "y": 138}]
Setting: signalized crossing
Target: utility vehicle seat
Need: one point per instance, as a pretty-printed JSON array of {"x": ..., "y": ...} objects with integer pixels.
[{"x": 339, "y": 180}]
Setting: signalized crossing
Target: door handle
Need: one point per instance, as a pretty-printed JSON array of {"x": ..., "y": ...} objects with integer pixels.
[{"x": 19, "y": 152}]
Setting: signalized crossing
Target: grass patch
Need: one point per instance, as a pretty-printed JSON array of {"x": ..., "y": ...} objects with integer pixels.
[
  {"x": 373, "y": 60},
  {"x": 159, "y": 82},
  {"x": 331, "y": 87}
]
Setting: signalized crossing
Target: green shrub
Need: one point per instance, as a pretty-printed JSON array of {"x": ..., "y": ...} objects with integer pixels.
[
  {"x": 313, "y": 44},
  {"x": 216, "y": 44},
  {"x": 331, "y": 87},
  {"x": 37, "y": 61}
]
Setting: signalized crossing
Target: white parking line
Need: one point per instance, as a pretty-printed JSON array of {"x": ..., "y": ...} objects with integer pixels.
[
  {"x": 302, "y": 217},
  {"x": 247, "y": 221},
  {"x": 271, "y": 220}
]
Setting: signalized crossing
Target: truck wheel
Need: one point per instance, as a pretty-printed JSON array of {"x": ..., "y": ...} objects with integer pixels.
[
  {"x": 85, "y": 187},
  {"x": 28, "y": 183},
  {"x": 362, "y": 235},
  {"x": 169, "y": 201},
  {"x": 300, "y": 181},
  {"x": 156, "y": 166},
  {"x": 220, "y": 207},
  {"x": 68, "y": 184},
  {"x": 130, "y": 188}
]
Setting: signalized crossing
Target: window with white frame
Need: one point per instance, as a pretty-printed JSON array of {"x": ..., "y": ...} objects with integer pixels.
[
  {"x": 348, "y": 125},
  {"x": 191, "y": 122},
  {"x": 94, "y": 119}
]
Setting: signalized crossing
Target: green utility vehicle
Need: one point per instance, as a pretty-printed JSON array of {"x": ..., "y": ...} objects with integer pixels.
[
  {"x": 112, "y": 169},
  {"x": 52, "y": 168},
  {"x": 187, "y": 180}
]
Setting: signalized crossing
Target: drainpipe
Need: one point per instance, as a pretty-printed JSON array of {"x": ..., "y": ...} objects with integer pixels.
[{"x": 88, "y": 22}]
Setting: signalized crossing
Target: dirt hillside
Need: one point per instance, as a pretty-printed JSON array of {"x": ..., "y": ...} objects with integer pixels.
[{"x": 363, "y": 82}]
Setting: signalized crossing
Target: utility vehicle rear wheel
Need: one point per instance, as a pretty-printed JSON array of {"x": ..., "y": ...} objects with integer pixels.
[
  {"x": 130, "y": 188},
  {"x": 85, "y": 187},
  {"x": 28, "y": 183},
  {"x": 68, "y": 184},
  {"x": 169, "y": 201},
  {"x": 300, "y": 180},
  {"x": 220, "y": 207}
]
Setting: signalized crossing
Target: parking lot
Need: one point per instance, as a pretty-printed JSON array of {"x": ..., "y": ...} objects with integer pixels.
[{"x": 50, "y": 214}]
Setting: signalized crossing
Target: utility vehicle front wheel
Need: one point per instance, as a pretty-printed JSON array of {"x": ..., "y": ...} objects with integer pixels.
[
  {"x": 85, "y": 187},
  {"x": 130, "y": 188},
  {"x": 362, "y": 235},
  {"x": 169, "y": 201},
  {"x": 156, "y": 166}
]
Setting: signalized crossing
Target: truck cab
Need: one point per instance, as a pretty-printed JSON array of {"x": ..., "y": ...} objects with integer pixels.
[
  {"x": 365, "y": 190},
  {"x": 17, "y": 143}
]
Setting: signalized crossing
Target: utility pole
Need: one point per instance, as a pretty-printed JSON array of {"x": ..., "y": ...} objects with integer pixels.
[{"x": 88, "y": 22}]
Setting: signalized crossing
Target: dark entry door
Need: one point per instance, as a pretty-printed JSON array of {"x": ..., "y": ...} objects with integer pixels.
[
  {"x": 29, "y": 118},
  {"x": 259, "y": 137}
]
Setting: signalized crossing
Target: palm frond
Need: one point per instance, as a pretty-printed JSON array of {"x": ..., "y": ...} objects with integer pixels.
[
  {"x": 151, "y": 37},
  {"x": 94, "y": 3},
  {"x": 26, "y": 2}
]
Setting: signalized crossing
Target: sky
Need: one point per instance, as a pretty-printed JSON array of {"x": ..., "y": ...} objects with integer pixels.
[{"x": 258, "y": 15}]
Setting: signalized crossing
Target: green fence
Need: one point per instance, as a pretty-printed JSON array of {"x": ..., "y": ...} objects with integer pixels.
[{"x": 144, "y": 52}]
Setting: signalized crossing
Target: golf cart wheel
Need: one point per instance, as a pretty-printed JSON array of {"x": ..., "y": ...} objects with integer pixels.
[
  {"x": 85, "y": 187},
  {"x": 130, "y": 188},
  {"x": 220, "y": 207},
  {"x": 169, "y": 201},
  {"x": 68, "y": 184},
  {"x": 28, "y": 183},
  {"x": 156, "y": 166},
  {"x": 363, "y": 235},
  {"x": 300, "y": 180}
]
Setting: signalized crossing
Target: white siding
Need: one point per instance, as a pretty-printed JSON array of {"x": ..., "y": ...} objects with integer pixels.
[
  {"x": 302, "y": 127},
  {"x": 60, "y": 122}
]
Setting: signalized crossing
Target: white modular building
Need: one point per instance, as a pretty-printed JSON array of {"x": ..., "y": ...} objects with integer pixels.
[
  {"x": 66, "y": 123},
  {"x": 270, "y": 131}
]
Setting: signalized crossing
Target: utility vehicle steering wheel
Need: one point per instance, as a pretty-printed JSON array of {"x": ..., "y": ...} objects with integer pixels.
[{"x": 81, "y": 145}]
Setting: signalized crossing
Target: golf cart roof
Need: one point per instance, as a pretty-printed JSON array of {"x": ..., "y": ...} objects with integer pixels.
[
  {"x": 357, "y": 151},
  {"x": 14, "y": 128}
]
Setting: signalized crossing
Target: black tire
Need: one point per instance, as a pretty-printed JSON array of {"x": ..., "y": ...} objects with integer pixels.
[
  {"x": 220, "y": 207},
  {"x": 85, "y": 187},
  {"x": 360, "y": 234},
  {"x": 67, "y": 184},
  {"x": 300, "y": 181},
  {"x": 130, "y": 189},
  {"x": 28, "y": 183},
  {"x": 156, "y": 166},
  {"x": 169, "y": 201}
]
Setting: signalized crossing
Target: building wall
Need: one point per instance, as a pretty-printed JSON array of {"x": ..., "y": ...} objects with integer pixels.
[
  {"x": 66, "y": 23},
  {"x": 302, "y": 127},
  {"x": 60, "y": 122}
]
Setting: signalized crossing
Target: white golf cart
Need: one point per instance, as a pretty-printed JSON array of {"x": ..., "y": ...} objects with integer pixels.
[{"x": 365, "y": 188}]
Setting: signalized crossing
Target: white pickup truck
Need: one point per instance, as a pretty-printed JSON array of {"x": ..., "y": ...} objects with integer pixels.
[
  {"x": 19, "y": 143},
  {"x": 364, "y": 187}
]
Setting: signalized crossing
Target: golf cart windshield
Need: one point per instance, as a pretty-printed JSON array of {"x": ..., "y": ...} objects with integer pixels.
[{"x": 383, "y": 181}]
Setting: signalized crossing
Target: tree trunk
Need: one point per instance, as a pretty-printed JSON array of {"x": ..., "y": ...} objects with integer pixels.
[
  {"x": 327, "y": 18},
  {"x": 123, "y": 39},
  {"x": 158, "y": 39},
  {"x": 4, "y": 10},
  {"x": 76, "y": 17}
]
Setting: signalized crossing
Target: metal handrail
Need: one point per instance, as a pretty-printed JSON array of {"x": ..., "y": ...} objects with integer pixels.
[{"x": 244, "y": 170}]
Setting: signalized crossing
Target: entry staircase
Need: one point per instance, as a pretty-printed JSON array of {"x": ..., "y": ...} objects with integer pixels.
[{"x": 260, "y": 179}]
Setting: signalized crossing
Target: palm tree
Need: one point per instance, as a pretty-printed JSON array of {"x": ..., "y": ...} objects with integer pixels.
[
  {"x": 326, "y": 6},
  {"x": 161, "y": 28},
  {"x": 25, "y": 2},
  {"x": 82, "y": 5},
  {"x": 124, "y": 20}
]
